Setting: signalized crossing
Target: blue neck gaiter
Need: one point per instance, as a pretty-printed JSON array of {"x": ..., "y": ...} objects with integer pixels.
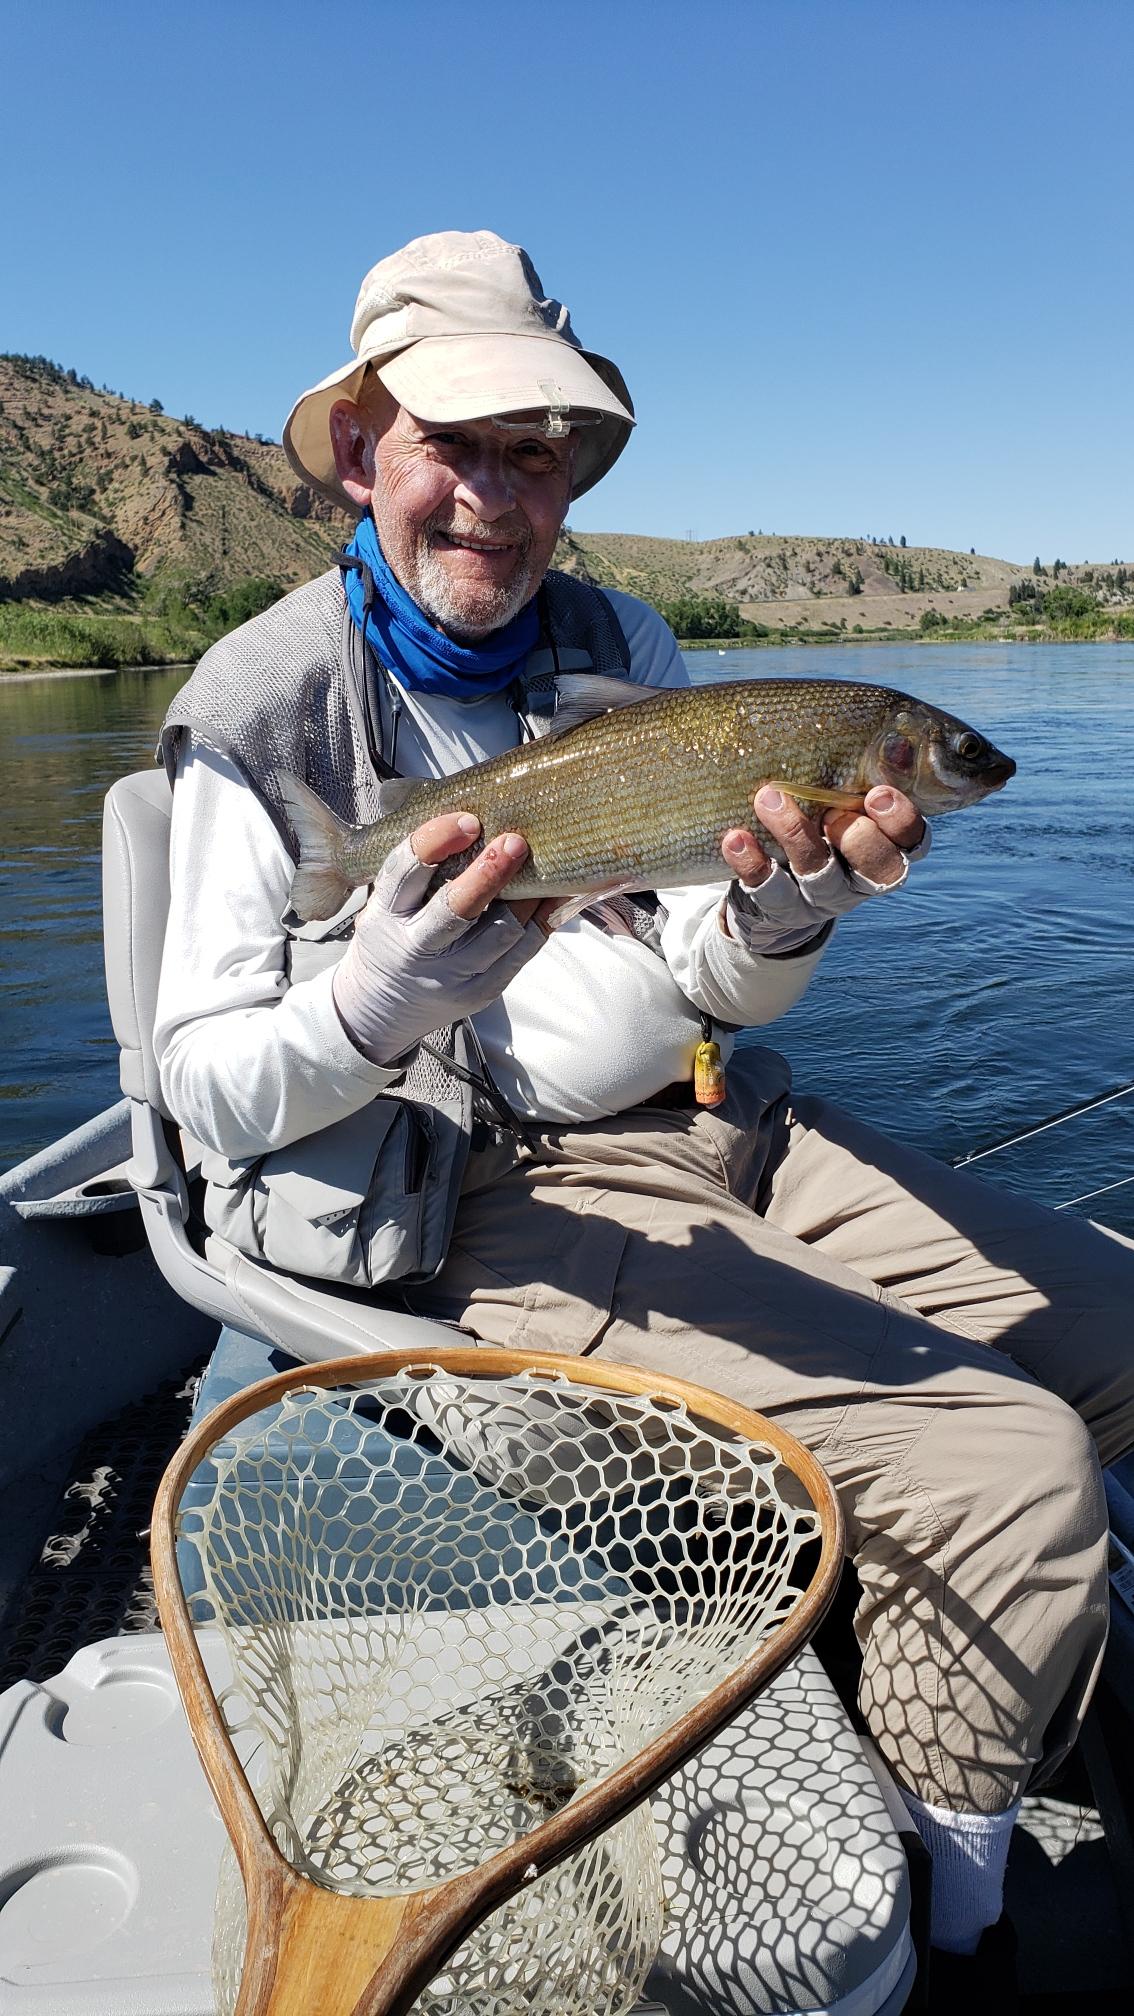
[{"x": 423, "y": 659}]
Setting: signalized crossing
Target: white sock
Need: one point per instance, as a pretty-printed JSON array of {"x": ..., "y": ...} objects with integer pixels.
[{"x": 969, "y": 1851}]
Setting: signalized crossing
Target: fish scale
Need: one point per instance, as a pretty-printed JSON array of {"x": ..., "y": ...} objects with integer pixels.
[{"x": 640, "y": 796}]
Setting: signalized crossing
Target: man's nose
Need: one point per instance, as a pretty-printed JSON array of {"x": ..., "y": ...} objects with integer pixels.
[{"x": 486, "y": 487}]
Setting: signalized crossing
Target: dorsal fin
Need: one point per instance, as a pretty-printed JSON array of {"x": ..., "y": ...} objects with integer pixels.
[{"x": 582, "y": 695}]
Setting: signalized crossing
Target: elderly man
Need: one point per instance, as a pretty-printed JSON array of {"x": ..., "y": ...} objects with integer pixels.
[{"x": 956, "y": 1358}]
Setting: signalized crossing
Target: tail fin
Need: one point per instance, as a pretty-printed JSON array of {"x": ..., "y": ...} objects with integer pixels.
[{"x": 320, "y": 885}]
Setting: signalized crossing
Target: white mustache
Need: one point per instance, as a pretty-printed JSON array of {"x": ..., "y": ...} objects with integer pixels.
[{"x": 473, "y": 535}]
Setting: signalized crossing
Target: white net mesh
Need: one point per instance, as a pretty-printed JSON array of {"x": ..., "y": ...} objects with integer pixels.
[{"x": 452, "y": 1603}]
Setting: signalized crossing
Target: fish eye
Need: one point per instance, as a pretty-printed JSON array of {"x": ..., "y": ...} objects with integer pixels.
[{"x": 969, "y": 746}]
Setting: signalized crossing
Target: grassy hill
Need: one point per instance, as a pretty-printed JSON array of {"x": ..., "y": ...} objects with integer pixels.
[
  {"x": 131, "y": 537},
  {"x": 754, "y": 567},
  {"x": 807, "y": 588}
]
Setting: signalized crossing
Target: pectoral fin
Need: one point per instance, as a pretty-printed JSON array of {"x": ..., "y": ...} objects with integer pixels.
[
  {"x": 818, "y": 794},
  {"x": 592, "y": 899}
]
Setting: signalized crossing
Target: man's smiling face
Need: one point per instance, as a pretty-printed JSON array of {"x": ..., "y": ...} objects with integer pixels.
[{"x": 467, "y": 513}]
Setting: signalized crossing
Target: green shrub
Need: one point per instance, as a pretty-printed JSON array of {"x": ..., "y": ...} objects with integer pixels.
[
  {"x": 1061, "y": 603},
  {"x": 700, "y": 616},
  {"x": 245, "y": 599}
]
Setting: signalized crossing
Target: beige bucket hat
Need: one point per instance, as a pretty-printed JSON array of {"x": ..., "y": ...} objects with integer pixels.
[{"x": 457, "y": 327}]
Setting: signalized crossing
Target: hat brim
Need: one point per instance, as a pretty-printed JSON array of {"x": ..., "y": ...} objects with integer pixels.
[{"x": 471, "y": 378}]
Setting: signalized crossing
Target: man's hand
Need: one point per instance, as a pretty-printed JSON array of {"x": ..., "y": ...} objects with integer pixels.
[
  {"x": 834, "y": 864},
  {"x": 416, "y": 964}
]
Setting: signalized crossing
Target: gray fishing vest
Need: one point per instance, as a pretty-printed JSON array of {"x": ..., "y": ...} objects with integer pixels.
[
  {"x": 370, "y": 1199},
  {"x": 289, "y": 691}
]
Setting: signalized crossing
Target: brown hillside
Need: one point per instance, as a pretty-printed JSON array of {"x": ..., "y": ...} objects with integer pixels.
[
  {"x": 755, "y": 567},
  {"x": 97, "y": 491},
  {"x": 794, "y": 583},
  {"x": 94, "y": 488}
]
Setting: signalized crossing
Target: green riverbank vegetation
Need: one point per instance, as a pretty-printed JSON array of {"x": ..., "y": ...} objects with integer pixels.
[
  {"x": 1062, "y": 615},
  {"x": 707, "y": 619},
  {"x": 168, "y": 622},
  {"x": 173, "y": 622}
]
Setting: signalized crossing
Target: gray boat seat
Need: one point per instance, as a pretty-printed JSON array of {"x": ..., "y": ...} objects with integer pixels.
[
  {"x": 785, "y": 1881},
  {"x": 307, "y": 1319}
]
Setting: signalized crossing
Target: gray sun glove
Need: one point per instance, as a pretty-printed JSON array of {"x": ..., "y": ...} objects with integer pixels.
[
  {"x": 415, "y": 966},
  {"x": 788, "y": 913}
]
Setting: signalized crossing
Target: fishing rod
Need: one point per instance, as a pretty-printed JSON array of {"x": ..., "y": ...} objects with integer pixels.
[
  {"x": 1102, "y": 1191},
  {"x": 1041, "y": 1127}
]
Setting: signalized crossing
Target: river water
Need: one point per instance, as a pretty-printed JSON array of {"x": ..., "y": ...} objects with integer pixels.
[{"x": 992, "y": 991}]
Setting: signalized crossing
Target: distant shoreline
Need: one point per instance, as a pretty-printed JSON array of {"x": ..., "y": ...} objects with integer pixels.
[
  {"x": 16, "y": 675},
  {"x": 21, "y": 675},
  {"x": 934, "y": 638}
]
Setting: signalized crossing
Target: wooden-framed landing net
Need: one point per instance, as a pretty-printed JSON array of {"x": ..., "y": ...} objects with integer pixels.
[{"x": 477, "y": 1606}]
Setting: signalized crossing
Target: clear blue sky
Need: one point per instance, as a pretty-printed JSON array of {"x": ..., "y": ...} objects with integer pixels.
[{"x": 867, "y": 268}]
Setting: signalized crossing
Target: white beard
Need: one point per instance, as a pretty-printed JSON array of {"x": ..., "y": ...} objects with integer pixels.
[{"x": 433, "y": 591}]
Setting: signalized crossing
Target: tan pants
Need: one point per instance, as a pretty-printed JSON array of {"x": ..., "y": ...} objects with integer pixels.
[{"x": 789, "y": 1257}]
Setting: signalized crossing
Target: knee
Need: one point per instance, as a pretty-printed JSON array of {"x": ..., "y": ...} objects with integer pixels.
[{"x": 1042, "y": 1486}]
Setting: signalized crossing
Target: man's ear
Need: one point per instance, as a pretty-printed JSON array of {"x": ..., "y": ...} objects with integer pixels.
[{"x": 353, "y": 433}]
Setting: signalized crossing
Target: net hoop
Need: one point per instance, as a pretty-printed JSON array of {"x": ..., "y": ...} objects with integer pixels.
[{"x": 423, "y": 1927}]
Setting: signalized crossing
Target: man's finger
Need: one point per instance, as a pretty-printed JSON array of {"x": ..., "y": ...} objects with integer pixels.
[
  {"x": 471, "y": 892},
  {"x": 450, "y": 833},
  {"x": 745, "y": 858},
  {"x": 802, "y": 839},
  {"x": 865, "y": 848},
  {"x": 871, "y": 841},
  {"x": 895, "y": 815}
]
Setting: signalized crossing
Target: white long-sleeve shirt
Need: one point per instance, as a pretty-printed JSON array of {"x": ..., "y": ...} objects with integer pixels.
[{"x": 594, "y": 1024}]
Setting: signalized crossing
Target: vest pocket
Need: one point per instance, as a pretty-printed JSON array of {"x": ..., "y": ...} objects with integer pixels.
[{"x": 345, "y": 1204}]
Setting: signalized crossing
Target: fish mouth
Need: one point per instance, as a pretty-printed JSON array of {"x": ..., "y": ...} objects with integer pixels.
[{"x": 998, "y": 773}]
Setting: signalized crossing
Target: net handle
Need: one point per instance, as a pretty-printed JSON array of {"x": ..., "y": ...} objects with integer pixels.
[{"x": 310, "y": 1949}]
